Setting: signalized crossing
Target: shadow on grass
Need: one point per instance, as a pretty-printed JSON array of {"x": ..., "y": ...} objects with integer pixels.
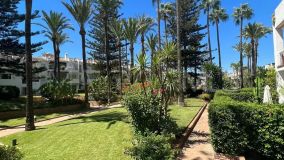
[{"x": 111, "y": 118}]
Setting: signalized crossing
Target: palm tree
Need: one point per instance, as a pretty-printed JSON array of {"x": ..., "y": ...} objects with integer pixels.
[
  {"x": 166, "y": 11},
  {"x": 29, "y": 104},
  {"x": 145, "y": 25},
  {"x": 117, "y": 31},
  {"x": 131, "y": 33},
  {"x": 179, "y": 60},
  {"x": 60, "y": 40},
  {"x": 81, "y": 12},
  {"x": 254, "y": 32},
  {"x": 241, "y": 14},
  {"x": 152, "y": 41},
  {"x": 207, "y": 6},
  {"x": 157, "y": 2},
  {"x": 55, "y": 24},
  {"x": 218, "y": 15}
]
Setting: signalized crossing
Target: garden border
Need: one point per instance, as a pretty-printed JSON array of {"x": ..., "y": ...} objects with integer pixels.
[{"x": 179, "y": 143}]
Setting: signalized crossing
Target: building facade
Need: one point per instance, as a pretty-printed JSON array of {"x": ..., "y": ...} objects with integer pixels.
[
  {"x": 278, "y": 28},
  {"x": 71, "y": 69}
]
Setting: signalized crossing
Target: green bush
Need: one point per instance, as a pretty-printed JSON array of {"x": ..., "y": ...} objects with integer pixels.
[
  {"x": 205, "y": 96},
  {"x": 10, "y": 153},
  {"x": 9, "y": 92},
  {"x": 58, "y": 92},
  {"x": 244, "y": 95},
  {"x": 151, "y": 147},
  {"x": 241, "y": 127},
  {"x": 99, "y": 90}
]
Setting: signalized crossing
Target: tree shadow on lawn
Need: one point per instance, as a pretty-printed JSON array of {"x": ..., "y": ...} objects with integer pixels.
[{"x": 111, "y": 118}]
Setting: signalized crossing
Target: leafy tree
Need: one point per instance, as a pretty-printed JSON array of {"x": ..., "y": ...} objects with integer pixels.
[
  {"x": 216, "y": 16},
  {"x": 145, "y": 25},
  {"x": 240, "y": 14},
  {"x": 81, "y": 12},
  {"x": 167, "y": 10}
]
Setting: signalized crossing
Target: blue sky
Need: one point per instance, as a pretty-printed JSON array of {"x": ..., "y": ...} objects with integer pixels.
[{"x": 263, "y": 10}]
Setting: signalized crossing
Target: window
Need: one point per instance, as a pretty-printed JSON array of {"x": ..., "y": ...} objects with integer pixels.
[{"x": 6, "y": 76}]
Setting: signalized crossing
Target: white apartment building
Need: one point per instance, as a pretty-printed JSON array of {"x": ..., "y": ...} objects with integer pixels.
[
  {"x": 278, "y": 28},
  {"x": 71, "y": 69}
]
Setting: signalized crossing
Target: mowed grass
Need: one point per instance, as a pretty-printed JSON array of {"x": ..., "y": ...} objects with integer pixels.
[
  {"x": 102, "y": 135},
  {"x": 22, "y": 120}
]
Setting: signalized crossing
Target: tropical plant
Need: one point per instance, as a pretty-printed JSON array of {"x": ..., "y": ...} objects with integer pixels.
[
  {"x": 55, "y": 24},
  {"x": 131, "y": 33},
  {"x": 29, "y": 78},
  {"x": 179, "y": 57},
  {"x": 152, "y": 41},
  {"x": 117, "y": 31},
  {"x": 167, "y": 10},
  {"x": 157, "y": 2},
  {"x": 145, "y": 25},
  {"x": 10, "y": 153},
  {"x": 218, "y": 15},
  {"x": 81, "y": 11},
  {"x": 240, "y": 14},
  {"x": 207, "y": 5}
]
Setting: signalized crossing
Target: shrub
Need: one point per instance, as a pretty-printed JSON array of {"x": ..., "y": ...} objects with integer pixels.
[
  {"x": 245, "y": 95},
  {"x": 9, "y": 92},
  {"x": 99, "y": 90},
  {"x": 151, "y": 147},
  {"x": 241, "y": 127},
  {"x": 58, "y": 92},
  {"x": 10, "y": 153},
  {"x": 205, "y": 96}
]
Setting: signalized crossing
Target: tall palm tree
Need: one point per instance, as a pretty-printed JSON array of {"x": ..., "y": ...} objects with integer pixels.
[
  {"x": 207, "y": 6},
  {"x": 219, "y": 15},
  {"x": 117, "y": 31},
  {"x": 145, "y": 25},
  {"x": 179, "y": 58},
  {"x": 60, "y": 40},
  {"x": 152, "y": 41},
  {"x": 240, "y": 14},
  {"x": 81, "y": 11},
  {"x": 29, "y": 104},
  {"x": 254, "y": 32},
  {"x": 166, "y": 11},
  {"x": 55, "y": 24},
  {"x": 131, "y": 27},
  {"x": 157, "y": 2}
]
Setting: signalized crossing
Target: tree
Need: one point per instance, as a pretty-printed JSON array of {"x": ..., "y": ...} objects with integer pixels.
[
  {"x": 179, "y": 58},
  {"x": 254, "y": 32},
  {"x": 145, "y": 25},
  {"x": 219, "y": 15},
  {"x": 207, "y": 5},
  {"x": 166, "y": 11},
  {"x": 81, "y": 12},
  {"x": 117, "y": 31},
  {"x": 55, "y": 24},
  {"x": 240, "y": 14},
  {"x": 29, "y": 65},
  {"x": 157, "y": 2},
  {"x": 152, "y": 41},
  {"x": 131, "y": 34}
]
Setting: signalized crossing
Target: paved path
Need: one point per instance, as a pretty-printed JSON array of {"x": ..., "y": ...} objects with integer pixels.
[
  {"x": 198, "y": 146},
  {"x": 10, "y": 131}
]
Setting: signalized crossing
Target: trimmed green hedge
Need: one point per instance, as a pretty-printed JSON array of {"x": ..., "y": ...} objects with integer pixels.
[
  {"x": 241, "y": 127},
  {"x": 245, "y": 95}
]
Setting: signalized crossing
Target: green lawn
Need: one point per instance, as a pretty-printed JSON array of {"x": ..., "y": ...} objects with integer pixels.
[
  {"x": 102, "y": 135},
  {"x": 21, "y": 121}
]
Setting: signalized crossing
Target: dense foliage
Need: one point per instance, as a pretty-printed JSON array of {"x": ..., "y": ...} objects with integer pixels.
[
  {"x": 243, "y": 127},
  {"x": 10, "y": 153},
  {"x": 9, "y": 92}
]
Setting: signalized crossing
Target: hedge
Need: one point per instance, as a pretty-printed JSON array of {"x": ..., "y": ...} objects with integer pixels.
[
  {"x": 245, "y": 94},
  {"x": 238, "y": 128},
  {"x": 9, "y": 92}
]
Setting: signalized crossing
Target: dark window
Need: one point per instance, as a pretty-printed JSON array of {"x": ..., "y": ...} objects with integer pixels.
[{"x": 6, "y": 76}]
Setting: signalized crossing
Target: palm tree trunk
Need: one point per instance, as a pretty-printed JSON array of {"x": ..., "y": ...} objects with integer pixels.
[
  {"x": 58, "y": 63},
  {"x": 83, "y": 36},
  {"x": 208, "y": 35},
  {"x": 120, "y": 66},
  {"x": 253, "y": 63},
  {"x": 180, "y": 70},
  {"x": 159, "y": 24},
  {"x": 55, "y": 58},
  {"x": 143, "y": 44},
  {"x": 131, "y": 62},
  {"x": 166, "y": 30},
  {"x": 29, "y": 79},
  {"x": 241, "y": 55},
  {"x": 256, "y": 53},
  {"x": 219, "y": 54}
]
